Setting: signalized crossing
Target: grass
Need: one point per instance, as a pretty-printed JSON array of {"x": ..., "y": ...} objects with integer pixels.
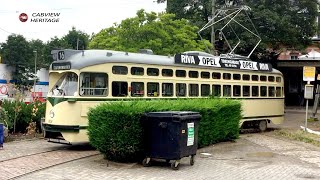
[{"x": 299, "y": 135}]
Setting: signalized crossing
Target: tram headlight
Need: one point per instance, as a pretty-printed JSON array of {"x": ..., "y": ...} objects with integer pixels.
[{"x": 51, "y": 114}]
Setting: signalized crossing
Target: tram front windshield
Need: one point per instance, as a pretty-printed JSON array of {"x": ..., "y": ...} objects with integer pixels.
[{"x": 67, "y": 85}]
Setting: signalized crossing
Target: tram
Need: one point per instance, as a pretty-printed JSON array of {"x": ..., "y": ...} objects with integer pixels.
[{"x": 81, "y": 79}]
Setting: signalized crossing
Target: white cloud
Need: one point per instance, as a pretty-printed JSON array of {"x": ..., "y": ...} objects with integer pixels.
[{"x": 86, "y": 15}]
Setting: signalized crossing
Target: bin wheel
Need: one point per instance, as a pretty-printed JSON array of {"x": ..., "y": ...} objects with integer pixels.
[
  {"x": 167, "y": 160},
  {"x": 192, "y": 160},
  {"x": 146, "y": 162},
  {"x": 262, "y": 125},
  {"x": 175, "y": 165}
]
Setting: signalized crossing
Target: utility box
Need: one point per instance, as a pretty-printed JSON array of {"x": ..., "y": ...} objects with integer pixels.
[{"x": 171, "y": 135}]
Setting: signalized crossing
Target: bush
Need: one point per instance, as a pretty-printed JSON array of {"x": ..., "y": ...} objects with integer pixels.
[
  {"x": 115, "y": 129},
  {"x": 24, "y": 114}
]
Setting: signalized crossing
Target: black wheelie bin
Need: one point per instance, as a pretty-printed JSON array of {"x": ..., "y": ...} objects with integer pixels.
[{"x": 170, "y": 135}]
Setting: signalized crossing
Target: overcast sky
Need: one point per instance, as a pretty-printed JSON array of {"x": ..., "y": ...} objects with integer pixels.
[{"x": 86, "y": 15}]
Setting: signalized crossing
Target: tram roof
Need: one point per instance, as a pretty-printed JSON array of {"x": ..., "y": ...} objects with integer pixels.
[{"x": 84, "y": 58}]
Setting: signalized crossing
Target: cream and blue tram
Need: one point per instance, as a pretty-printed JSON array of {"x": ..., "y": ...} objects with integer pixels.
[{"x": 81, "y": 79}]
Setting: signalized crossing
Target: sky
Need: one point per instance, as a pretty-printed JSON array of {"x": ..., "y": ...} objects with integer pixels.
[{"x": 89, "y": 16}]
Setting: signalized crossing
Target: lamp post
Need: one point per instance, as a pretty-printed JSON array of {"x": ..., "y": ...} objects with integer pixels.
[{"x": 35, "y": 74}]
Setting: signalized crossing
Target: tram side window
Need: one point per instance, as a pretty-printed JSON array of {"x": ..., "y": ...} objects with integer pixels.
[
  {"x": 236, "y": 77},
  {"x": 167, "y": 72},
  {"x": 246, "y": 77},
  {"x": 153, "y": 89},
  {"x": 205, "y": 89},
  {"x": 255, "y": 91},
  {"x": 205, "y": 75},
  {"x": 271, "y": 91},
  {"x": 226, "y": 90},
  {"x": 137, "y": 89},
  {"x": 227, "y": 76},
  {"x": 216, "y": 75},
  {"x": 93, "y": 84},
  {"x": 120, "y": 70},
  {"x": 193, "y": 90},
  {"x": 181, "y": 89},
  {"x": 263, "y": 91},
  {"x": 278, "y": 91},
  {"x": 263, "y": 78},
  {"x": 236, "y": 90},
  {"x": 246, "y": 91},
  {"x": 278, "y": 79},
  {"x": 167, "y": 89},
  {"x": 137, "y": 71},
  {"x": 193, "y": 74},
  {"x": 153, "y": 72},
  {"x": 255, "y": 78},
  {"x": 216, "y": 90},
  {"x": 271, "y": 78},
  {"x": 180, "y": 73},
  {"x": 119, "y": 89}
]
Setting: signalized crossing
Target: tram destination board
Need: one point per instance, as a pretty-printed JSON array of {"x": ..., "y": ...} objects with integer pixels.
[
  {"x": 217, "y": 61},
  {"x": 61, "y": 66}
]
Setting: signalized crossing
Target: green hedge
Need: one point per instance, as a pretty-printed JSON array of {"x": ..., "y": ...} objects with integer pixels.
[
  {"x": 24, "y": 115},
  {"x": 115, "y": 129}
]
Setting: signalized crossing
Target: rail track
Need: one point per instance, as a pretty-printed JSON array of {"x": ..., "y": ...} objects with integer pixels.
[{"x": 18, "y": 166}]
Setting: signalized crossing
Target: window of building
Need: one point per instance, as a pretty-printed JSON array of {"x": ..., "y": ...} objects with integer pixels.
[
  {"x": 193, "y": 74},
  {"x": 120, "y": 70},
  {"x": 226, "y": 90},
  {"x": 263, "y": 91},
  {"x": 93, "y": 84},
  {"x": 181, "y": 89},
  {"x": 255, "y": 91},
  {"x": 246, "y": 91},
  {"x": 246, "y": 77},
  {"x": 271, "y": 91},
  {"x": 205, "y": 89},
  {"x": 205, "y": 75},
  {"x": 137, "y": 71},
  {"x": 255, "y": 78},
  {"x": 216, "y": 90},
  {"x": 294, "y": 57},
  {"x": 167, "y": 72},
  {"x": 153, "y": 72},
  {"x": 226, "y": 76},
  {"x": 167, "y": 89},
  {"x": 181, "y": 73},
  {"x": 153, "y": 89},
  {"x": 236, "y": 90},
  {"x": 137, "y": 89},
  {"x": 236, "y": 77},
  {"x": 193, "y": 90},
  {"x": 216, "y": 75},
  {"x": 119, "y": 88},
  {"x": 271, "y": 78}
]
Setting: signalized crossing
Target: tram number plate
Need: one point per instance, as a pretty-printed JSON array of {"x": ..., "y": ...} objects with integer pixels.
[{"x": 61, "y": 55}]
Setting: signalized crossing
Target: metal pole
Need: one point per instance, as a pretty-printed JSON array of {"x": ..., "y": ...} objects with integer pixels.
[
  {"x": 35, "y": 74},
  {"x": 306, "y": 123},
  {"x": 212, "y": 30}
]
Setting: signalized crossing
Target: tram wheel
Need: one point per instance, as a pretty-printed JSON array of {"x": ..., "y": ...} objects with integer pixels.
[{"x": 262, "y": 125}]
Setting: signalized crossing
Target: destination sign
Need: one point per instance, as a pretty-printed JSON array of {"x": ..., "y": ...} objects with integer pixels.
[
  {"x": 217, "y": 61},
  {"x": 61, "y": 66}
]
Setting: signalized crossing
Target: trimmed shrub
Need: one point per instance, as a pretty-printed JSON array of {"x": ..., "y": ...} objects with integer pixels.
[{"x": 115, "y": 129}]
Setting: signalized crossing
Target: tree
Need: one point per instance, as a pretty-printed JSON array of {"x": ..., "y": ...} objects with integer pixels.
[
  {"x": 161, "y": 33},
  {"x": 279, "y": 22},
  {"x": 76, "y": 39},
  {"x": 17, "y": 53}
]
